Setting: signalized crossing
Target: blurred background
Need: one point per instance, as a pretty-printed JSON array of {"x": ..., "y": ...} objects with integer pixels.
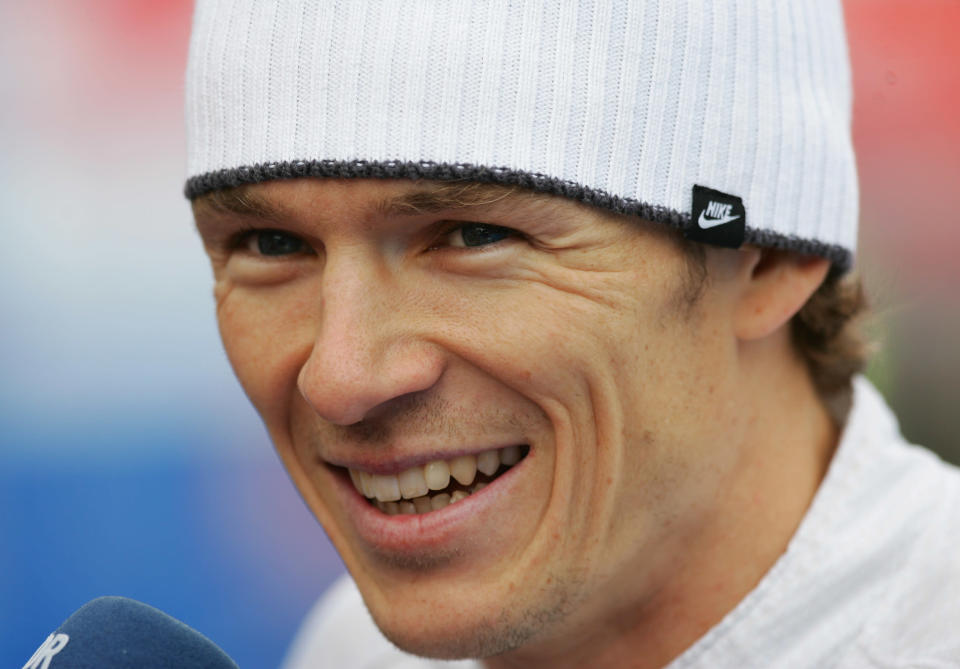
[{"x": 130, "y": 461}]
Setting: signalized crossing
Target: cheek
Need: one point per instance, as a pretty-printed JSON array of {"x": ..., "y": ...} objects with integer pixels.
[
  {"x": 683, "y": 421},
  {"x": 267, "y": 339},
  {"x": 527, "y": 345}
]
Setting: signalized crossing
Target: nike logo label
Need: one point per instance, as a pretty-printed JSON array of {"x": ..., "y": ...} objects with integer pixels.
[
  {"x": 716, "y": 218},
  {"x": 715, "y": 213}
]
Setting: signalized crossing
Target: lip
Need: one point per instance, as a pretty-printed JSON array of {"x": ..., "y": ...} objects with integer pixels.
[
  {"x": 393, "y": 467},
  {"x": 416, "y": 533}
]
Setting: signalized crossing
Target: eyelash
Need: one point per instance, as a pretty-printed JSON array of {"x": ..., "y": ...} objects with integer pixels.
[
  {"x": 509, "y": 233},
  {"x": 242, "y": 239}
]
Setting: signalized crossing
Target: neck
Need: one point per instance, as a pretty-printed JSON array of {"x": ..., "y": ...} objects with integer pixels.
[{"x": 785, "y": 453}]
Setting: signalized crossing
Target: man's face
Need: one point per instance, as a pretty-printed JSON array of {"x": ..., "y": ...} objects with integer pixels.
[{"x": 380, "y": 329}]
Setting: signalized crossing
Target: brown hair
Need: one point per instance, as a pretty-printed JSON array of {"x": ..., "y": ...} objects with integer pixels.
[{"x": 828, "y": 333}]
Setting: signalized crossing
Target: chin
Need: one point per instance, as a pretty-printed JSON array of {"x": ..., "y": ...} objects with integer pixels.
[
  {"x": 451, "y": 640},
  {"x": 459, "y": 629}
]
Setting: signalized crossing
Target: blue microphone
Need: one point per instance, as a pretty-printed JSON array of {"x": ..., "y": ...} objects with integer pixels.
[{"x": 121, "y": 633}]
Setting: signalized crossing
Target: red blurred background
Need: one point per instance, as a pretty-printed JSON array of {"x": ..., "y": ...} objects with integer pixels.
[{"x": 906, "y": 128}]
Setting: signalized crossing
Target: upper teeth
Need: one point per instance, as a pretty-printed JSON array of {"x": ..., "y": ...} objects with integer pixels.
[{"x": 417, "y": 481}]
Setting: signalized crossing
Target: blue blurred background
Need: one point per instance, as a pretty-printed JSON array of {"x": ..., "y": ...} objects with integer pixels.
[{"x": 130, "y": 461}]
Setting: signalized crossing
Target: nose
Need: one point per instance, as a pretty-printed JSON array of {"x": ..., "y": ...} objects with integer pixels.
[{"x": 367, "y": 351}]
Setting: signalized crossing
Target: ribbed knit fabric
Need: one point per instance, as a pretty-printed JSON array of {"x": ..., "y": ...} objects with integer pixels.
[{"x": 623, "y": 104}]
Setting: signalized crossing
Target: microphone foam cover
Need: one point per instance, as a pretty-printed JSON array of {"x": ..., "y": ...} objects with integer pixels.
[{"x": 115, "y": 632}]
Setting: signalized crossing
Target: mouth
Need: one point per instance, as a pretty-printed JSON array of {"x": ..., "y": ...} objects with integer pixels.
[{"x": 431, "y": 487}]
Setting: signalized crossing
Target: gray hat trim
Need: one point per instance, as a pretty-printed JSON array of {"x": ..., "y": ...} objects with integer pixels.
[{"x": 196, "y": 186}]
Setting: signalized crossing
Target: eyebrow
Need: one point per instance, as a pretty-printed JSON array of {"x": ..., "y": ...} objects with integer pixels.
[
  {"x": 445, "y": 197},
  {"x": 435, "y": 198},
  {"x": 240, "y": 201}
]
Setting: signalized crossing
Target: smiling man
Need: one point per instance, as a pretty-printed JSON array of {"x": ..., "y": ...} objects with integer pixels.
[{"x": 546, "y": 308}]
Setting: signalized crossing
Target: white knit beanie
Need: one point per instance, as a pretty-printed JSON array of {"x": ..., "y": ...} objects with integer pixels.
[{"x": 693, "y": 113}]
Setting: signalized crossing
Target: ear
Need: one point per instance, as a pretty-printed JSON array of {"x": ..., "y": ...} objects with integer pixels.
[{"x": 776, "y": 284}]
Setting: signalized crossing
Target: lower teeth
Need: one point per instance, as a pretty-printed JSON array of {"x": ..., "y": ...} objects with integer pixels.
[{"x": 427, "y": 503}]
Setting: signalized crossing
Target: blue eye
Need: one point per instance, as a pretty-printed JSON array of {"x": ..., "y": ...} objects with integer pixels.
[
  {"x": 471, "y": 235},
  {"x": 274, "y": 243}
]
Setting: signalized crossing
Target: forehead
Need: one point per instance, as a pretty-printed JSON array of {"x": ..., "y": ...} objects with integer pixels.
[{"x": 277, "y": 200}]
